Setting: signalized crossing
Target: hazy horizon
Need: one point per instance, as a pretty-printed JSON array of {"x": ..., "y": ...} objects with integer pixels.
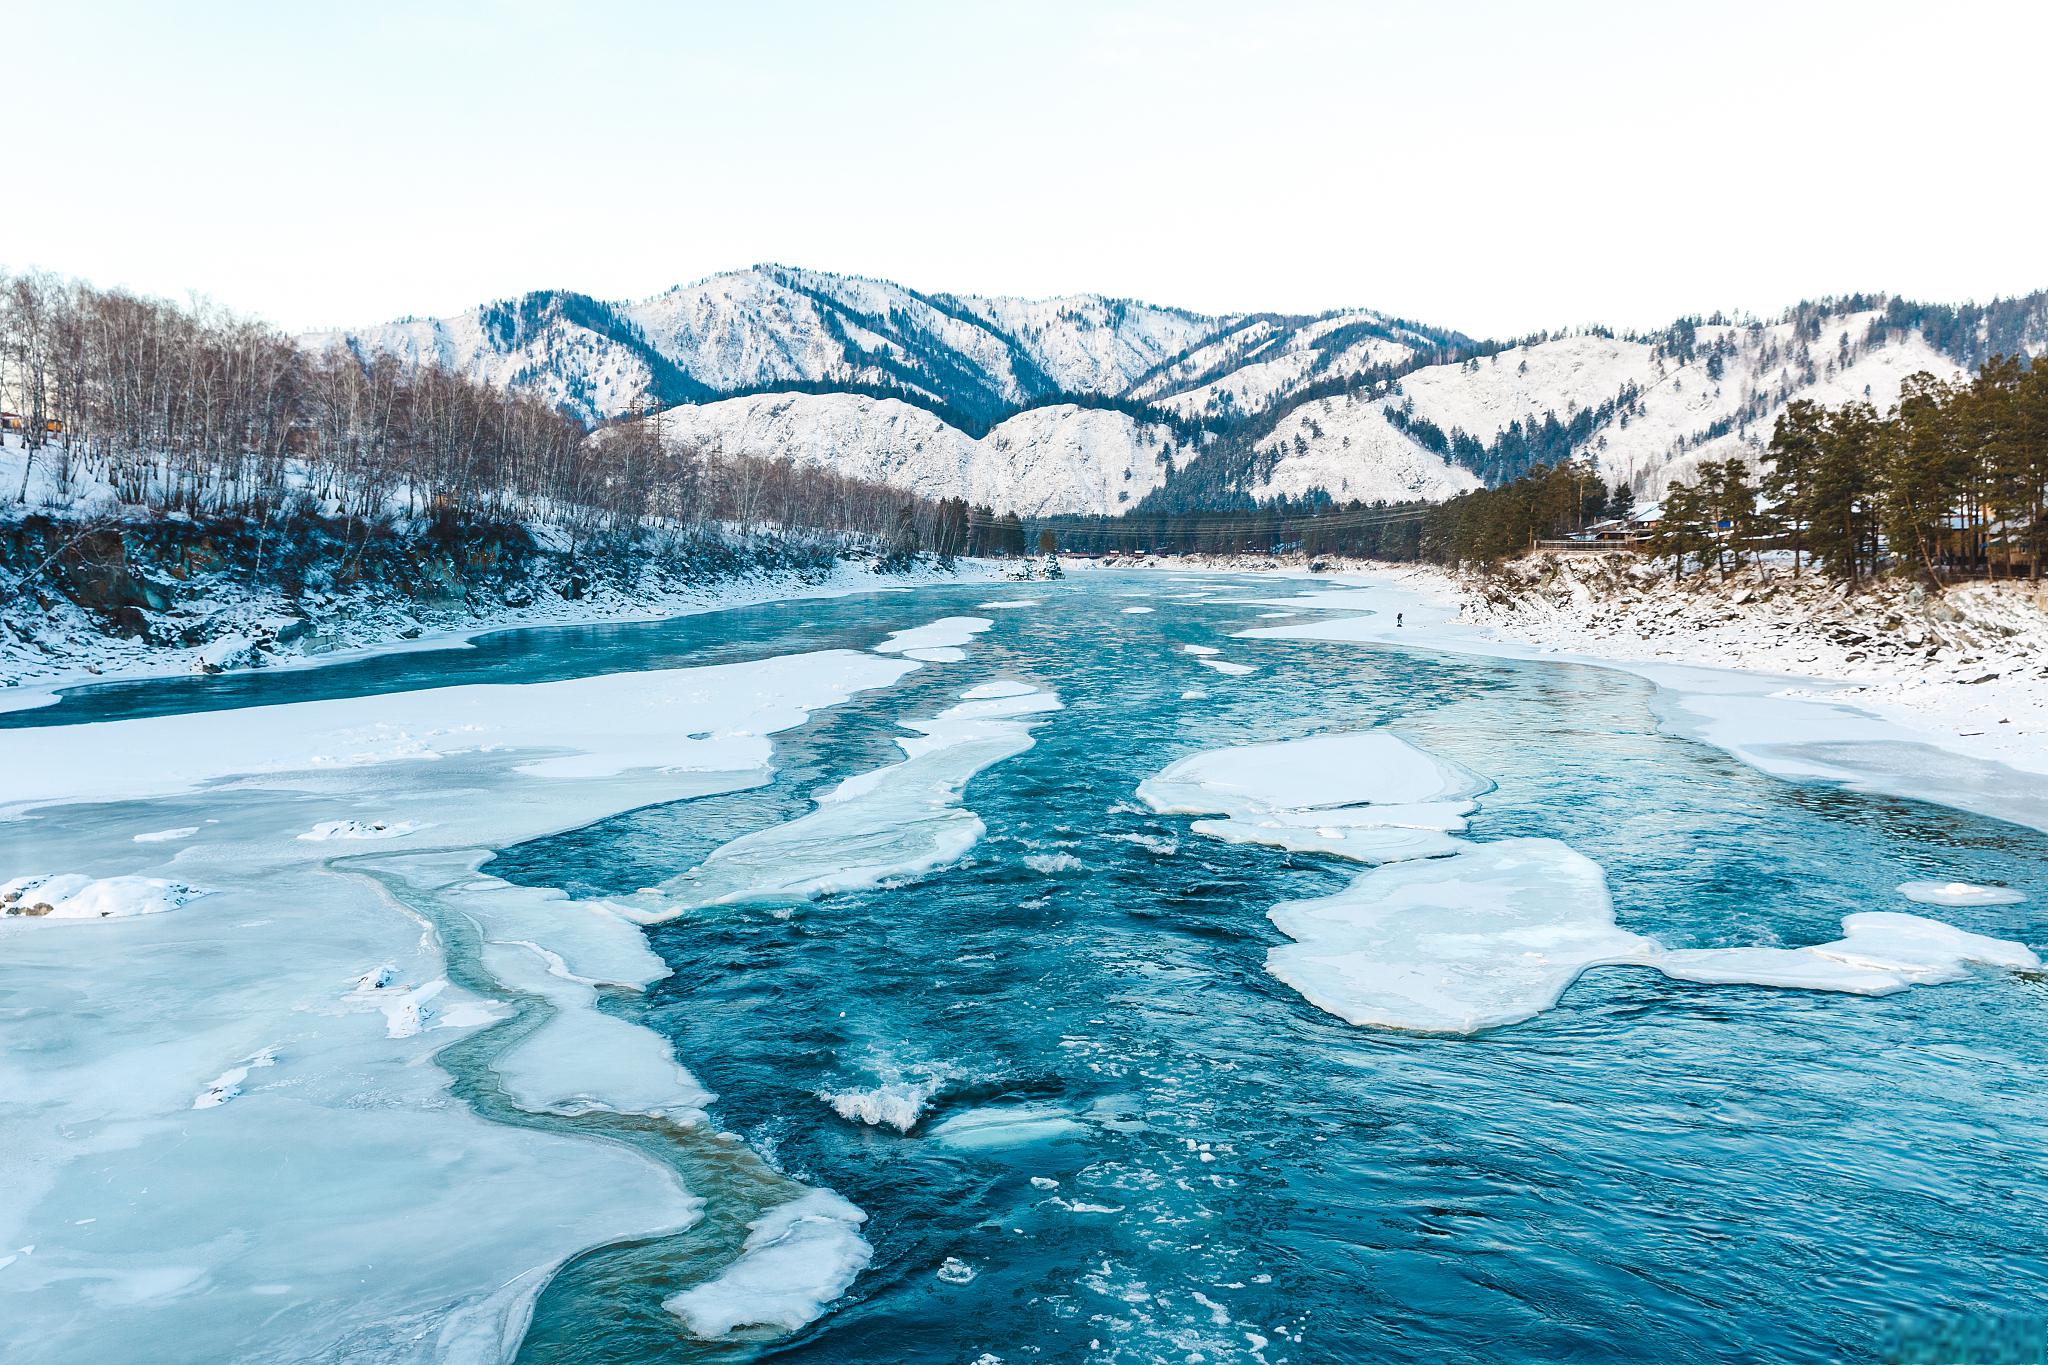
[{"x": 1497, "y": 170}]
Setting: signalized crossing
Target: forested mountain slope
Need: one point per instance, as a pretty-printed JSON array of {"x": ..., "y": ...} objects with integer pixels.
[{"x": 1095, "y": 405}]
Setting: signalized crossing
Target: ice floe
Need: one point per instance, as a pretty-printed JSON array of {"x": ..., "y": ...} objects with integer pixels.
[
  {"x": 71, "y": 895},
  {"x": 1200, "y": 651},
  {"x": 1370, "y": 796},
  {"x": 710, "y": 719},
  {"x": 1959, "y": 893},
  {"x": 1005, "y": 1125},
  {"x": 898, "y": 821},
  {"x": 1014, "y": 604},
  {"x": 1138, "y": 611},
  {"x": 798, "y": 1257},
  {"x": 1496, "y": 934},
  {"x": 100, "y": 1118},
  {"x": 938, "y": 642},
  {"x": 1455, "y": 937},
  {"x": 1225, "y": 666},
  {"x": 167, "y": 836}
]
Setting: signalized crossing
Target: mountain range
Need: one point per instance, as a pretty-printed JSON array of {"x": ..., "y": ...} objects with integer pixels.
[{"x": 1088, "y": 404}]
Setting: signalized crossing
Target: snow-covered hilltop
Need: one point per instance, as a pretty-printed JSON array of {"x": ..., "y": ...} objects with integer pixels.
[{"x": 1089, "y": 404}]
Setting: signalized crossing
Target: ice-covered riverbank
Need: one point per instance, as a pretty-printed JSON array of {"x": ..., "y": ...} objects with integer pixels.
[{"x": 269, "y": 1043}]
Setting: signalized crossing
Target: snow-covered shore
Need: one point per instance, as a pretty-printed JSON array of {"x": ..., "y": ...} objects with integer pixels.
[
  {"x": 37, "y": 673},
  {"x": 1891, "y": 690}
]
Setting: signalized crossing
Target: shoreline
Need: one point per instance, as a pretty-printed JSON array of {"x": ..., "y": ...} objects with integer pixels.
[
  {"x": 1918, "y": 746},
  {"x": 848, "y": 579}
]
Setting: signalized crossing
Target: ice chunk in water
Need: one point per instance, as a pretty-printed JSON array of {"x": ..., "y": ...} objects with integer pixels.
[
  {"x": 796, "y": 1260},
  {"x": 938, "y": 642},
  {"x": 897, "y": 821},
  {"x": 1005, "y": 1125},
  {"x": 1490, "y": 937},
  {"x": 1959, "y": 893},
  {"x": 1372, "y": 796}
]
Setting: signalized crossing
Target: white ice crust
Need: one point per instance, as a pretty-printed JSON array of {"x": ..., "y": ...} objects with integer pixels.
[{"x": 797, "y": 1259}]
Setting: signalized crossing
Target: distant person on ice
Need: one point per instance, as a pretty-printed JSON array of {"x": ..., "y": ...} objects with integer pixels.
[{"x": 1397, "y": 620}]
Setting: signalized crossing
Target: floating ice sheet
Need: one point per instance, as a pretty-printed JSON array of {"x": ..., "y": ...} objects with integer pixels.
[
  {"x": 1959, "y": 893},
  {"x": 897, "y": 821},
  {"x": 797, "y": 1259},
  {"x": 938, "y": 642},
  {"x": 1496, "y": 934},
  {"x": 1482, "y": 935},
  {"x": 1369, "y": 796}
]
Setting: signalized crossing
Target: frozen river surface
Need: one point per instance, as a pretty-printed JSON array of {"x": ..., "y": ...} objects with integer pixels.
[{"x": 1073, "y": 1094}]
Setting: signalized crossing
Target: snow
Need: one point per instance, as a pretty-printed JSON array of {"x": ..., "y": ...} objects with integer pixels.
[
  {"x": 1959, "y": 893},
  {"x": 1061, "y": 458},
  {"x": 228, "y": 1085},
  {"x": 1346, "y": 446},
  {"x": 1909, "y": 723},
  {"x": 902, "y": 820},
  {"x": 73, "y": 895},
  {"x": 797, "y": 1259}
]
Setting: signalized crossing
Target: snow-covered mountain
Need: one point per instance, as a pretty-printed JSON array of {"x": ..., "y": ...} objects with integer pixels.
[{"x": 1093, "y": 405}]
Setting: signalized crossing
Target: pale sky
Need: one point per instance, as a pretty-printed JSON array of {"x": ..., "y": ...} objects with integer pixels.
[{"x": 1495, "y": 167}]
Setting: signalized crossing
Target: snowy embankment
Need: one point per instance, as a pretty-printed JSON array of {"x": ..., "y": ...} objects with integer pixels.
[
  {"x": 1457, "y": 936},
  {"x": 1970, "y": 663},
  {"x": 1890, "y": 689},
  {"x": 94, "y": 591},
  {"x": 281, "y": 1031}
]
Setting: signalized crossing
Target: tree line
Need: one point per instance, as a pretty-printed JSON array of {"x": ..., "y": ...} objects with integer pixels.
[
  {"x": 1954, "y": 480},
  {"x": 193, "y": 410}
]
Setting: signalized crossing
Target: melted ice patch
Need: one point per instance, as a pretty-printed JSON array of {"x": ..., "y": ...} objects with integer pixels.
[
  {"x": 899, "y": 821},
  {"x": 71, "y": 895},
  {"x": 1959, "y": 893},
  {"x": 797, "y": 1259}
]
